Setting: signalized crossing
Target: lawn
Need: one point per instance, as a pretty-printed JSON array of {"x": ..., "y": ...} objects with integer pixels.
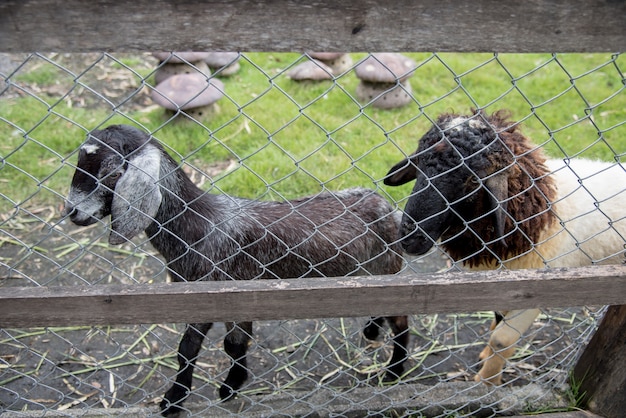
[{"x": 274, "y": 138}]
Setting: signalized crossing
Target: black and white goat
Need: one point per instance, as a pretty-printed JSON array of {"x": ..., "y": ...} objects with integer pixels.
[
  {"x": 493, "y": 200},
  {"x": 125, "y": 173}
]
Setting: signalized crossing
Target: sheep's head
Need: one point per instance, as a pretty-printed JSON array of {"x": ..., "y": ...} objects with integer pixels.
[
  {"x": 460, "y": 172},
  {"x": 117, "y": 173}
]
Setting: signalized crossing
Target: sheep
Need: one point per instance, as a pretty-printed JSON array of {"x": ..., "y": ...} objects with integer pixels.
[
  {"x": 127, "y": 174},
  {"x": 495, "y": 201}
]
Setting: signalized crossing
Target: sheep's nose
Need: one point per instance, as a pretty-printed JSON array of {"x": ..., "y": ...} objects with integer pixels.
[
  {"x": 68, "y": 210},
  {"x": 407, "y": 228}
]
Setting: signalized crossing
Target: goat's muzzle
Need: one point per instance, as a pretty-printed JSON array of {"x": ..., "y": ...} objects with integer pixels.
[{"x": 76, "y": 216}]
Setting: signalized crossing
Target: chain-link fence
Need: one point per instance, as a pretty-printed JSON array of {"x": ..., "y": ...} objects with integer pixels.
[{"x": 272, "y": 137}]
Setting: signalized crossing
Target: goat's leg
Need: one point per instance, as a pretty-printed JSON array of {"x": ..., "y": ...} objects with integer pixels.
[
  {"x": 502, "y": 344},
  {"x": 400, "y": 329},
  {"x": 236, "y": 346},
  {"x": 372, "y": 328},
  {"x": 188, "y": 351}
]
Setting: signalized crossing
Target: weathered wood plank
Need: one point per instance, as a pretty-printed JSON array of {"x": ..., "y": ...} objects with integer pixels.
[
  {"x": 323, "y": 25},
  {"x": 311, "y": 298},
  {"x": 601, "y": 369}
]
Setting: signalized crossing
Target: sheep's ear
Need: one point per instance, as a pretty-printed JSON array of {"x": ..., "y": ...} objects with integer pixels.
[
  {"x": 401, "y": 173},
  {"x": 137, "y": 197},
  {"x": 498, "y": 186}
]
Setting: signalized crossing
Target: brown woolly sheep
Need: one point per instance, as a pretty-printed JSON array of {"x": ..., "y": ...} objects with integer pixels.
[{"x": 493, "y": 200}]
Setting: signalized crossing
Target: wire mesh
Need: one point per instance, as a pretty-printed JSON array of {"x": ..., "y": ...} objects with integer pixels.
[{"x": 271, "y": 137}]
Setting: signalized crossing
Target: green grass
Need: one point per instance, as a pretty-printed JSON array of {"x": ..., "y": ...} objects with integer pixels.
[{"x": 288, "y": 139}]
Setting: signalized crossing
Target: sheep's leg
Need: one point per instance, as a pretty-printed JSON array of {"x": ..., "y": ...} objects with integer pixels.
[
  {"x": 372, "y": 329},
  {"x": 188, "y": 351},
  {"x": 400, "y": 329},
  {"x": 498, "y": 317},
  {"x": 502, "y": 344},
  {"x": 236, "y": 346}
]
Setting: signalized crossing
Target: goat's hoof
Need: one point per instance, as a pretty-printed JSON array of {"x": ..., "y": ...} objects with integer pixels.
[
  {"x": 393, "y": 375},
  {"x": 390, "y": 378},
  {"x": 226, "y": 392},
  {"x": 172, "y": 403},
  {"x": 169, "y": 409}
]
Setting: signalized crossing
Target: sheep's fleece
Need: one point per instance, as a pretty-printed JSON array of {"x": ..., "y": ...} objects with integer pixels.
[{"x": 491, "y": 199}]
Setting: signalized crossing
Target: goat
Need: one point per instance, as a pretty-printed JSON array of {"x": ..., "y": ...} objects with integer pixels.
[
  {"x": 493, "y": 200},
  {"x": 125, "y": 173}
]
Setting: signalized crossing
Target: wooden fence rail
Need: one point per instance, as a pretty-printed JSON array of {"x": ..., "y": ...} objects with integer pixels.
[
  {"x": 312, "y": 297},
  {"x": 321, "y": 25}
]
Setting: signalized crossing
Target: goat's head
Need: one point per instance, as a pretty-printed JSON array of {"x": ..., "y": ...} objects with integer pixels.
[
  {"x": 117, "y": 173},
  {"x": 460, "y": 168}
]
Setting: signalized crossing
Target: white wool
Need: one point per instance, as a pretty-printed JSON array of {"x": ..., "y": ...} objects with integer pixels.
[
  {"x": 456, "y": 124},
  {"x": 591, "y": 198},
  {"x": 90, "y": 148}
]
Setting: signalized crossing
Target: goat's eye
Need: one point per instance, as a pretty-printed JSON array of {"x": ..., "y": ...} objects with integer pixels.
[
  {"x": 111, "y": 178},
  {"x": 114, "y": 175}
]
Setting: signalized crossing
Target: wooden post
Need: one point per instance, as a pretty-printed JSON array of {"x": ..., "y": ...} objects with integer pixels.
[{"x": 601, "y": 369}]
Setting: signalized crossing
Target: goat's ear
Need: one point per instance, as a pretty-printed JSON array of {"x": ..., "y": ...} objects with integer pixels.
[
  {"x": 137, "y": 197},
  {"x": 401, "y": 173},
  {"x": 498, "y": 186}
]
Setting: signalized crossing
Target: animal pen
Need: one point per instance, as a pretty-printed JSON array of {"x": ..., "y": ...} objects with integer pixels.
[{"x": 92, "y": 329}]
